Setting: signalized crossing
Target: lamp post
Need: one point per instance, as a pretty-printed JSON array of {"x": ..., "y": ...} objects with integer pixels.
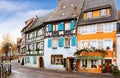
[{"x": 10, "y": 47}]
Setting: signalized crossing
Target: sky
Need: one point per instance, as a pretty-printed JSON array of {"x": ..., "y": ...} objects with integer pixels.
[{"x": 14, "y": 13}]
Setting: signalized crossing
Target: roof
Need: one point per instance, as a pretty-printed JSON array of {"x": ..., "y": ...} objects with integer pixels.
[
  {"x": 98, "y": 4},
  {"x": 65, "y": 10},
  {"x": 39, "y": 22}
]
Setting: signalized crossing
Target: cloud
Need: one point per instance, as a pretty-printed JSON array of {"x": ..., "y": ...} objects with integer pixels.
[
  {"x": 13, "y": 6},
  {"x": 15, "y": 13}
]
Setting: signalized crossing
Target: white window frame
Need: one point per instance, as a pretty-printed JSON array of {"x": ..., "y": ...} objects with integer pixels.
[
  {"x": 93, "y": 29},
  {"x": 84, "y": 44},
  {"x": 92, "y": 42},
  {"x": 84, "y": 63},
  {"x": 67, "y": 26},
  {"x": 110, "y": 45},
  {"x": 66, "y": 43},
  {"x": 103, "y": 12},
  {"x": 94, "y": 63},
  {"x": 89, "y": 15},
  {"x": 54, "y": 42},
  {"x": 108, "y": 27}
]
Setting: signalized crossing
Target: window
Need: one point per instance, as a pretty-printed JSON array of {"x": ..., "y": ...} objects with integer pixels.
[
  {"x": 28, "y": 59},
  {"x": 55, "y": 27},
  {"x": 41, "y": 45},
  {"x": 108, "y": 27},
  {"x": 93, "y": 29},
  {"x": 89, "y": 15},
  {"x": 94, "y": 43},
  {"x": 67, "y": 42},
  {"x": 103, "y": 12},
  {"x": 93, "y": 64},
  {"x": 54, "y": 43},
  {"x": 26, "y": 36},
  {"x": 84, "y": 63},
  {"x": 84, "y": 30},
  {"x": 33, "y": 34},
  {"x": 34, "y": 46},
  {"x": 38, "y": 45},
  {"x": 108, "y": 44},
  {"x": 57, "y": 59},
  {"x": 35, "y": 60},
  {"x": 84, "y": 44},
  {"x": 40, "y": 32},
  {"x": 67, "y": 26}
]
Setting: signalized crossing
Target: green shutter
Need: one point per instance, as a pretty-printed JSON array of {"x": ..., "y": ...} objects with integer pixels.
[{"x": 61, "y": 42}]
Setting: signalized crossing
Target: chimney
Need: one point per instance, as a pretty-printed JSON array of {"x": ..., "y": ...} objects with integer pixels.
[
  {"x": 60, "y": 2},
  {"x": 75, "y": 11}
]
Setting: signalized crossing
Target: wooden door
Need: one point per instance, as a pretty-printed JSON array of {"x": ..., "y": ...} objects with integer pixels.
[{"x": 108, "y": 65}]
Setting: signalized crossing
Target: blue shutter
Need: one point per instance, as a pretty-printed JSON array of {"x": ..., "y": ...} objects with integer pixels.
[
  {"x": 60, "y": 42},
  {"x": 74, "y": 41},
  {"x": 49, "y": 27},
  {"x": 72, "y": 25},
  {"x": 61, "y": 26},
  {"x": 49, "y": 43}
]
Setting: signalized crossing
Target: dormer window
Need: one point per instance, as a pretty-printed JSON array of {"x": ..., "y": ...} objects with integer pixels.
[
  {"x": 89, "y": 15},
  {"x": 103, "y": 12}
]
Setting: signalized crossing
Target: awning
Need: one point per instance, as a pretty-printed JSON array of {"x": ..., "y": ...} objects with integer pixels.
[{"x": 90, "y": 57}]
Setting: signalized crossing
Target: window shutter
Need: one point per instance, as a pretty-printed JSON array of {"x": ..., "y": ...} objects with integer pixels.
[
  {"x": 60, "y": 42},
  {"x": 49, "y": 43},
  {"x": 72, "y": 24},
  {"x": 61, "y": 26},
  {"x": 74, "y": 41},
  {"x": 49, "y": 27}
]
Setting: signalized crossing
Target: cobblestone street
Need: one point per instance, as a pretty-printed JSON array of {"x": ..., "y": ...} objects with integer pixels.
[{"x": 19, "y": 71}]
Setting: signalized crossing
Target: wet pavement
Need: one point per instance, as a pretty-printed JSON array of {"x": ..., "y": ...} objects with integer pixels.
[{"x": 19, "y": 71}]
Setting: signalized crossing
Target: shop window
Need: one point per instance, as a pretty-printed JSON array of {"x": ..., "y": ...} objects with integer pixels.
[{"x": 57, "y": 59}]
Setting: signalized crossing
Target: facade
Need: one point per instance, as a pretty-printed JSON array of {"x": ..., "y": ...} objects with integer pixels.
[
  {"x": 19, "y": 45},
  {"x": 35, "y": 44},
  {"x": 118, "y": 41},
  {"x": 97, "y": 29},
  {"x": 60, "y": 36}
]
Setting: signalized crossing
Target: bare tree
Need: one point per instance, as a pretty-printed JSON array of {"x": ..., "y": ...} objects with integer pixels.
[{"x": 5, "y": 45}]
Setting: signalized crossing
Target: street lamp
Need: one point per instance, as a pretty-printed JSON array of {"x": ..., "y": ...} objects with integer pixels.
[{"x": 10, "y": 47}]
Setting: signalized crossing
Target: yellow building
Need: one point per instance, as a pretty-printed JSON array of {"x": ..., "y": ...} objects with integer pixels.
[{"x": 97, "y": 29}]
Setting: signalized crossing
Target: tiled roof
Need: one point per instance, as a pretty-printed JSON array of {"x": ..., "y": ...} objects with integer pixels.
[
  {"x": 90, "y": 5},
  {"x": 39, "y": 22},
  {"x": 65, "y": 10}
]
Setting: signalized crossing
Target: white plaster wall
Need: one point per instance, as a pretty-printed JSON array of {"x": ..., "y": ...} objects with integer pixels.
[
  {"x": 66, "y": 52},
  {"x": 118, "y": 50},
  {"x": 31, "y": 64}
]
